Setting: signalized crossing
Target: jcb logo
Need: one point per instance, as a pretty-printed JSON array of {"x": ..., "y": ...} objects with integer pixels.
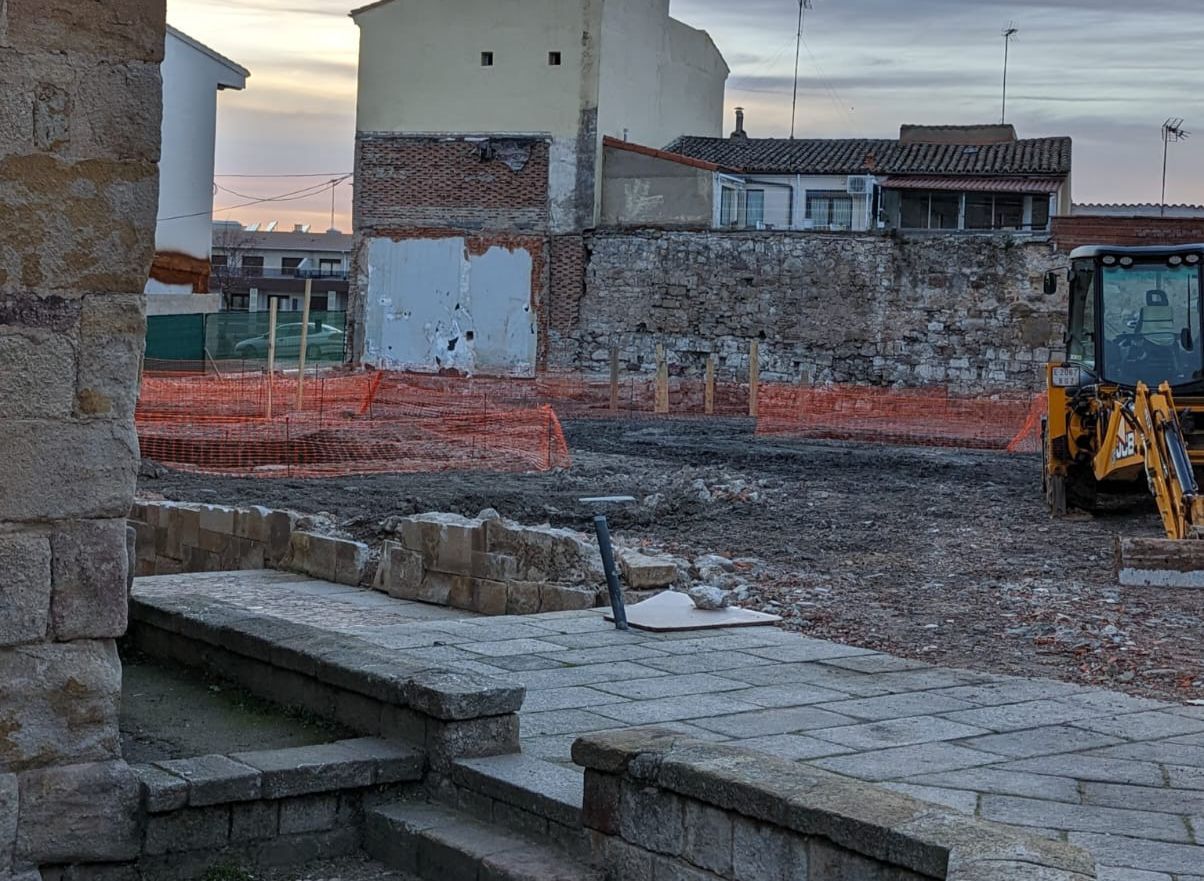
[{"x": 1126, "y": 446}]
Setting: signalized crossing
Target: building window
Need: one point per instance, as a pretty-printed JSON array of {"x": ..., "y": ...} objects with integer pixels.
[
  {"x": 921, "y": 209},
  {"x": 486, "y": 59},
  {"x": 217, "y": 260},
  {"x": 754, "y": 208},
  {"x": 252, "y": 266},
  {"x": 729, "y": 207},
  {"x": 289, "y": 265},
  {"x": 554, "y": 59},
  {"x": 832, "y": 209},
  {"x": 329, "y": 266}
]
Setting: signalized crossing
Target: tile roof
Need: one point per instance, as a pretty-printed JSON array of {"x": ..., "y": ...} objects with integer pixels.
[
  {"x": 281, "y": 240},
  {"x": 1033, "y": 156},
  {"x": 1045, "y": 184}
]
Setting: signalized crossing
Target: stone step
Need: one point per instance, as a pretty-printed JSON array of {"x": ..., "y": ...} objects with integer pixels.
[
  {"x": 533, "y": 786},
  {"x": 438, "y": 843}
]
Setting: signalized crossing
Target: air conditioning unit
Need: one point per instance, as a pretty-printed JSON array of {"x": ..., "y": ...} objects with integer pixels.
[{"x": 859, "y": 184}]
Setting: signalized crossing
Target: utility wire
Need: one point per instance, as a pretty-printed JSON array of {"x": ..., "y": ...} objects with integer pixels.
[
  {"x": 331, "y": 174},
  {"x": 295, "y": 195}
]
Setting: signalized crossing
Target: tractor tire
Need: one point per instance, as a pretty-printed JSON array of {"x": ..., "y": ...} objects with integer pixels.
[{"x": 1053, "y": 486}]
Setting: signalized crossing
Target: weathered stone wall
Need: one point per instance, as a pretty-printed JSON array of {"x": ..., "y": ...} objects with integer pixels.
[
  {"x": 659, "y": 805},
  {"x": 968, "y": 312},
  {"x": 79, "y": 145}
]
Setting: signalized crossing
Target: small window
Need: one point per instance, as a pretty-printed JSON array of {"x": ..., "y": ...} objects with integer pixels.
[
  {"x": 486, "y": 59},
  {"x": 554, "y": 59}
]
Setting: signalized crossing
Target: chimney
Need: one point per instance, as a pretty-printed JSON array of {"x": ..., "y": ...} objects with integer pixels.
[
  {"x": 298, "y": 227},
  {"x": 739, "y": 133}
]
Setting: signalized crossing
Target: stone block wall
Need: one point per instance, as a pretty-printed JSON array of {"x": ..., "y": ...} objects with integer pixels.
[
  {"x": 490, "y": 565},
  {"x": 964, "y": 311},
  {"x": 659, "y": 805},
  {"x": 79, "y": 146}
]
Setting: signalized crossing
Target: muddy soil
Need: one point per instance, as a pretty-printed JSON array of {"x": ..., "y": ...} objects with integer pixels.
[{"x": 943, "y": 555}]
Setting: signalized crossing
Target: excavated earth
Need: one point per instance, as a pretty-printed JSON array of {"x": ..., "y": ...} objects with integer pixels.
[{"x": 943, "y": 555}]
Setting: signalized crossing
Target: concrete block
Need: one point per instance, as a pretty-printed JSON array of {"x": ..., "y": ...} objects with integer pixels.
[
  {"x": 470, "y": 738},
  {"x": 652, "y": 819},
  {"x": 59, "y": 704},
  {"x": 78, "y": 814},
  {"x": 214, "y": 779},
  {"x": 708, "y": 837},
  {"x": 121, "y": 30},
  {"x": 437, "y": 587},
  {"x": 619, "y": 860},
  {"x": 9, "y": 810},
  {"x": 761, "y": 852},
  {"x": 395, "y": 763},
  {"x": 566, "y": 598},
  {"x": 641, "y": 572},
  {"x": 305, "y": 770},
  {"x": 162, "y": 791},
  {"x": 90, "y": 576},
  {"x": 254, "y": 821},
  {"x": 523, "y": 597},
  {"x": 95, "y": 466},
  {"x": 205, "y": 828},
  {"x": 601, "y": 803},
  {"x": 310, "y": 813},
  {"x": 494, "y": 567},
  {"x": 35, "y": 366},
  {"x": 25, "y": 560},
  {"x": 112, "y": 338},
  {"x": 477, "y": 595},
  {"x": 308, "y": 847},
  {"x": 448, "y": 695},
  {"x": 447, "y": 542},
  {"x": 216, "y": 518},
  {"x": 400, "y": 571}
]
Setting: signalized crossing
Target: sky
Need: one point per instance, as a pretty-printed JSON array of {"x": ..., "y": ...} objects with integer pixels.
[{"x": 1105, "y": 72}]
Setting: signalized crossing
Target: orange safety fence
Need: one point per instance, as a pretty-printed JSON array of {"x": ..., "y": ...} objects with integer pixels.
[
  {"x": 348, "y": 423},
  {"x": 929, "y": 416}
]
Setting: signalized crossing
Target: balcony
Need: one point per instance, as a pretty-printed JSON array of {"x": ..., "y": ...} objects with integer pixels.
[{"x": 231, "y": 272}]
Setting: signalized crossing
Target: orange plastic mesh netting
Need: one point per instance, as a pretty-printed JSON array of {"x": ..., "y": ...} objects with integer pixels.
[
  {"x": 349, "y": 423},
  {"x": 925, "y": 416}
]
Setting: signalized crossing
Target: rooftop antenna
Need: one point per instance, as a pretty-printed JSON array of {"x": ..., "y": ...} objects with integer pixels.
[
  {"x": 1009, "y": 34},
  {"x": 1172, "y": 130},
  {"x": 803, "y": 5}
]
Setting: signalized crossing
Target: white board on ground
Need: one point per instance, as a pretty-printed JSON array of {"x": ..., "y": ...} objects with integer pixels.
[{"x": 670, "y": 611}]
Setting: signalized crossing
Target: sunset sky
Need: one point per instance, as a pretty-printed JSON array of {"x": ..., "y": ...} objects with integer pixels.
[{"x": 1105, "y": 72}]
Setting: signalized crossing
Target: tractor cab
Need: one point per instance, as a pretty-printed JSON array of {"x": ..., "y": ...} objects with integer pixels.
[{"x": 1135, "y": 316}]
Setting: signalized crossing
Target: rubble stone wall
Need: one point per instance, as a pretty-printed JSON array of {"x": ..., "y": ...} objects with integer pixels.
[
  {"x": 79, "y": 146},
  {"x": 659, "y": 805},
  {"x": 964, "y": 311}
]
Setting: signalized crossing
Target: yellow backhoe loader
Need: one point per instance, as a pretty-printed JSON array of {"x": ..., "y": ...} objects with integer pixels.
[{"x": 1126, "y": 407}]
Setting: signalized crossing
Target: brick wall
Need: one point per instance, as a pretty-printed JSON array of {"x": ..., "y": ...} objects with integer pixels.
[
  {"x": 566, "y": 287},
  {"x": 1071, "y": 232},
  {"x": 405, "y": 182}
]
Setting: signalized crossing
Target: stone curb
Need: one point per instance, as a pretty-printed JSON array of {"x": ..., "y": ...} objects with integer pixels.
[
  {"x": 882, "y": 825},
  {"x": 341, "y": 661},
  {"x": 276, "y": 774}
]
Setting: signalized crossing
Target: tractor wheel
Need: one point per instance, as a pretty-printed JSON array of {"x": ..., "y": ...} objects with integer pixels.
[{"x": 1053, "y": 486}]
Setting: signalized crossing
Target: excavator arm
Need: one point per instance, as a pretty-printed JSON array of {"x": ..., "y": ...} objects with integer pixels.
[{"x": 1158, "y": 436}]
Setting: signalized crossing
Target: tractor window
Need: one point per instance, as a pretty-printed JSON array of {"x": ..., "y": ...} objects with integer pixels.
[
  {"x": 1151, "y": 324},
  {"x": 1080, "y": 347}
]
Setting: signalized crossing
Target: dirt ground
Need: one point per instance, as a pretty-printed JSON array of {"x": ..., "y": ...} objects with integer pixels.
[
  {"x": 941, "y": 555},
  {"x": 171, "y": 713}
]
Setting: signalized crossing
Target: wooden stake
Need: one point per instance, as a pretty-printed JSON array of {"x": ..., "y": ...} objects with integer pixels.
[
  {"x": 309, "y": 284},
  {"x": 754, "y": 376},
  {"x": 709, "y": 394},
  {"x": 614, "y": 379},
  {"x": 271, "y": 350},
  {"x": 662, "y": 380}
]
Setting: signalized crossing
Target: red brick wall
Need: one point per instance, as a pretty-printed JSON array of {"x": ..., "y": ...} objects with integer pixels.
[
  {"x": 1071, "y": 232},
  {"x": 432, "y": 182}
]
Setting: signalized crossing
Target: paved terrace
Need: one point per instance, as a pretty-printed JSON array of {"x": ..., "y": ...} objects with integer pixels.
[{"x": 1119, "y": 775}]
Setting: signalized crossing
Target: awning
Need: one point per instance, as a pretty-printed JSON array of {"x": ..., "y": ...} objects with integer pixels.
[{"x": 1043, "y": 185}]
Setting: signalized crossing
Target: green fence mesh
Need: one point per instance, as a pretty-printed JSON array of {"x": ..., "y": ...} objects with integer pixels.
[{"x": 177, "y": 341}]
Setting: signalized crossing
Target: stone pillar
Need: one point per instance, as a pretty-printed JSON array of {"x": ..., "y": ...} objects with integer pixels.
[{"x": 79, "y": 146}]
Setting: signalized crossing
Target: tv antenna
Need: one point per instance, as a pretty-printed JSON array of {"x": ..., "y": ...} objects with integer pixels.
[
  {"x": 803, "y": 6},
  {"x": 1009, "y": 34},
  {"x": 1172, "y": 130}
]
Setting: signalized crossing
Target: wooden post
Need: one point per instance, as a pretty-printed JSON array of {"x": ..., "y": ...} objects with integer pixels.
[
  {"x": 614, "y": 379},
  {"x": 662, "y": 380},
  {"x": 309, "y": 284},
  {"x": 271, "y": 350},
  {"x": 709, "y": 393},
  {"x": 754, "y": 376}
]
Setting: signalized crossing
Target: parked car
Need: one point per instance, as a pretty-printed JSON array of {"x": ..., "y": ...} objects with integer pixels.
[{"x": 323, "y": 340}]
